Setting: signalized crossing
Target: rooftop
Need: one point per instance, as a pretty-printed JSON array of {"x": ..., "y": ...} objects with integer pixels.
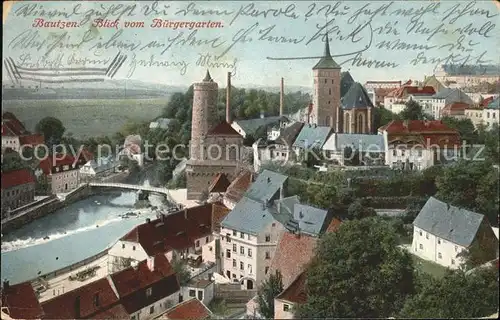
[
  {"x": 296, "y": 291},
  {"x": 326, "y": 62},
  {"x": 356, "y": 97},
  {"x": 288, "y": 134},
  {"x": 223, "y": 129},
  {"x": 360, "y": 142},
  {"x": 250, "y": 126},
  {"x": 21, "y": 301},
  {"x": 239, "y": 186},
  {"x": 192, "y": 309},
  {"x": 16, "y": 178},
  {"x": 312, "y": 137},
  {"x": 265, "y": 187},
  {"x": 449, "y": 222}
]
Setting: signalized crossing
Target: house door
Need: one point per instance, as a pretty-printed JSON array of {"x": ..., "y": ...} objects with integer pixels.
[
  {"x": 228, "y": 274},
  {"x": 249, "y": 284},
  {"x": 66, "y": 186}
]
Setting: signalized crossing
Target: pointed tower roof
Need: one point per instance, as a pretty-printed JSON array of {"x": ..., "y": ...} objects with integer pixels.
[
  {"x": 356, "y": 97},
  {"x": 346, "y": 81},
  {"x": 326, "y": 62},
  {"x": 208, "y": 78}
]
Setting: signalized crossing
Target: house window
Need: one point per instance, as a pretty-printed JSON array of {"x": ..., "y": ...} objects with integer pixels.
[
  {"x": 394, "y": 152},
  {"x": 326, "y": 80},
  {"x": 420, "y": 233},
  {"x": 228, "y": 253},
  {"x": 456, "y": 248},
  {"x": 206, "y": 239},
  {"x": 421, "y": 247},
  {"x": 248, "y": 236},
  {"x": 440, "y": 256},
  {"x": 200, "y": 295},
  {"x": 268, "y": 238},
  {"x": 452, "y": 261},
  {"x": 242, "y": 250},
  {"x": 286, "y": 307},
  {"x": 123, "y": 245},
  {"x": 250, "y": 268},
  {"x": 133, "y": 248},
  {"x": 234, "y": 263},
  {"x": 228, "y": 238},
  {"x": 192, "y": 293},
  {"x": 266, "y": 270},
  {"x": 234, "y": 247},
  {"x": 152, "y": 310},
  {"x": 149, "y": 292},
  {"x": 197, "y": 243},
  {"x": 426, "y": 235},
  {"x": 234, "y": 233},
  {"x": 249, "y": 252},
  {"x": 242, "y": 266},
  {"x": 210, "y": 249},
  {"x": 96, "y": 300},
  {"x": 242, "y": 235},
  {"x": 268, "y": 255},
  {"x": 439, "y": 241},
  {"x": 234, "y": 275},
  {"x": 274, "y": 224},
  {"x": 133, "y": 317}
]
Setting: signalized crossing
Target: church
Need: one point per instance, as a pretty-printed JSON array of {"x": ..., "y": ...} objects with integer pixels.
[{"x": 338, "y": 101}]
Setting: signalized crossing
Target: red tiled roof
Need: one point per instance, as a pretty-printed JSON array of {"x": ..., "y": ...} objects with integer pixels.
[
  {"x": 421, "y": 132},
  {"x": 219, "y": 212},
  {"x": 486, "y": 101},
  {"x": 48, "y": 163},
  {"x": 455, "y": 108},
  {"x": 239, "y": 186},
  {"x": 416, "y": 126},
  {"x": 395, "y": 82},
  {"x": 32, "y": 140},
  {"x": 223, "y": 129},
  {"x": 219, "y": 184},
  {"x": 65, "y": 306},
  {"x": 16, "y": 178},
  {"x": 334, "y": 225},
  {"x": 86, "y": 155},
  {"x": 404, "y": 91},
  {"x": 14, "y": 125},
  {"x": 296, "y": 291},
  {"x": 175, "y": 232},
  {"x": 116, "y": 312},
  {"x": 292, "y": 255},
  {"x": 131, "y": 284},
  {"x": 21, "y": 301},
  {"x": 6, "y": 131},
  {"x": 192, "y": 309}
]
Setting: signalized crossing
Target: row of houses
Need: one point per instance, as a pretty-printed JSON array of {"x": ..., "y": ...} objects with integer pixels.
[
  {"x": 413, "y": 145},
  {"x": 252, "y": 229}
]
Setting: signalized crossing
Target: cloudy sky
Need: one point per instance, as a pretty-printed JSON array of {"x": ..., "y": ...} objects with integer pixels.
[{"x": 470, "y": 30}]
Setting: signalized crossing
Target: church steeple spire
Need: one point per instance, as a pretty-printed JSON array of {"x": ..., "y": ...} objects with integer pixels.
[
  {"x": 327, "y": 47},
  {"x": 208, "y": 78}
]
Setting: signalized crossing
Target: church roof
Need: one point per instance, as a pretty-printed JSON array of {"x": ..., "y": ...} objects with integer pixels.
[
  {"x": 356, "y": 97},
  {"x": 346, "y": 82},
  {"x": 208, "y": 77},
  {"x": 326, "y": 62}
]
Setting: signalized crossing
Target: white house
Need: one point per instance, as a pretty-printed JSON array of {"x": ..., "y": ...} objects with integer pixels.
[
  {"x": 161, "y": 123},
  {"x": 94, "y": 169},
  {"x": 203, "y": 290},
  {"x": 441, "y": 232},
  {"x": 288, "y": 299},
  {"x": 250, "y": 232},
  {"x": 491, "y": 113},
  {"x": 61, "y": 171},
  {"x": 181, "y": 234},
  {"x": 445, "y": 97},
  {"x": 310, "y": 137},
  {"x": 250, "y": 126},
  {"x": 417, "y": 144},
  {"x": 371, "y": 147}
]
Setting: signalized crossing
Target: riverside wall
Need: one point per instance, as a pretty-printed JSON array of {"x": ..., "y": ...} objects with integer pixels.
[{"x": 30, "y": 212}]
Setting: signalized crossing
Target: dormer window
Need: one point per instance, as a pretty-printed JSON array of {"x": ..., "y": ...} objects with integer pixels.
[
  {"x": 149, "y": 292},
  {"x": 268, "y": 238}
]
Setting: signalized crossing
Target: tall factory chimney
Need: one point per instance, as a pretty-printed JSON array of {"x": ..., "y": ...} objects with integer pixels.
[
  {"x": 228, "y": 98},
  {"x": 282, "y": 96}
]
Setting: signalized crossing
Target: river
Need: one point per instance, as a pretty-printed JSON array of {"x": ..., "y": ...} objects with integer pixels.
[{"x": 75, "y": 232}]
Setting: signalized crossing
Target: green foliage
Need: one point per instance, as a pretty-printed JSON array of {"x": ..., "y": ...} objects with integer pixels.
[
  {"x": 455, "y": 296},
  {"x": 269, "y": 289},
  {"x": 178, "y": 183},
  {"x": 12, "y": 161},
  {"x": 359, "y": 210},
  {"x": 42, "y": 186},
  {"x": 382, "y": 116},
  {"x": 351, "y": 158},
  {"x": 134, "y": 128},
  {"x": 51, "y": 128},
  {"x": 358, "y": 272},
  {"x": 472, "y": 185},
  {"x": 181, "y": 270},
  {"x": 413, "y": 111},
  {"x": 464, "y": 126},
  {"x": 397, "y": 202}
]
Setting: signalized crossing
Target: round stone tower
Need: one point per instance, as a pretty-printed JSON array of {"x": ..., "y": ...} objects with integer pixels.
[{"x": 204, "y": 113}]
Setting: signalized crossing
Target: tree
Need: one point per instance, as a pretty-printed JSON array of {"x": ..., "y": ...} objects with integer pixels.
[
  {"x": 464, "y": 126},
  {"x": 413, "y": 111},
  {"x": 181, "y": 270},
  {"x": 455, "y": 296},
  {"x": 357, "y": 210},
  {"x": 12, "y": 161},
  {"x": 382, "y": 116},
  {"x": 358, "y": 272},
  {"x": 351, "y": 157},
  {"x": 51, "y": 128},
  {"x": 267, "y": 292}
]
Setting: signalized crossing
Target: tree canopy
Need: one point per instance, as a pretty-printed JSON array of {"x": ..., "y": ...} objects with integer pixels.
[
  {"x": 413, "y": 111},
  {"x": 358, "y": 272},
  {"x": 51, "y": 128},
  {"x": 455, "y": 296},
  {"x": 269, "y": 289}
]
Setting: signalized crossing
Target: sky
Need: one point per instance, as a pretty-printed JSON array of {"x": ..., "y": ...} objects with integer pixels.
[{"x": 252, "y": 65}]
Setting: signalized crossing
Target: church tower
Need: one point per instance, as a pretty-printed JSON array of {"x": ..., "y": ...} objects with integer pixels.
[
  {"x": 204, "y": 115},
  {"x": 326, "y": 95}
]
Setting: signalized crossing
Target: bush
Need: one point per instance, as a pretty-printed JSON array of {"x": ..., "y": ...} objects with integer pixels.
[{"x": 392, "y": 202}]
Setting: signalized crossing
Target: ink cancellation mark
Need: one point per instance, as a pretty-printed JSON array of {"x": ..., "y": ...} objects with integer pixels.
[{"x": 61, "y": 74}]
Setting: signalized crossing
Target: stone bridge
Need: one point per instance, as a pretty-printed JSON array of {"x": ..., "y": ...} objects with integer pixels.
[{"x": 151, "y": 189}]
